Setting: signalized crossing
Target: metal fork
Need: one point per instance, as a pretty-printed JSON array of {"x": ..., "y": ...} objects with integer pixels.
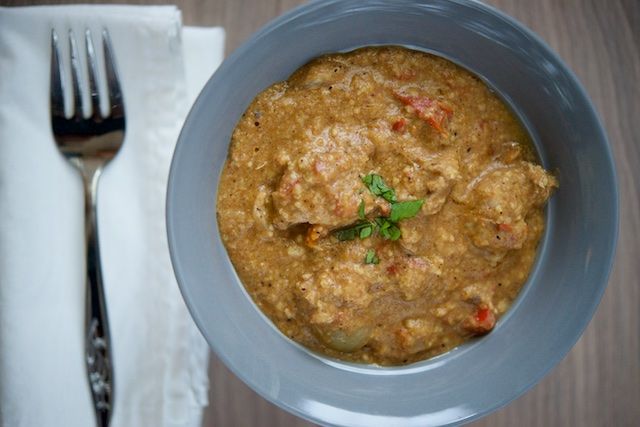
[{"x": 90, "y": 143}]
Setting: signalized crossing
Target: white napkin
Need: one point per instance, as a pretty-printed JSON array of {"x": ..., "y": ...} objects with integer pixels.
[{"x": 160, "y": 359}]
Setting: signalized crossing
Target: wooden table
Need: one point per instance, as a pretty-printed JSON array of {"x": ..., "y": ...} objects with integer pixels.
[{"x": 598, "y": 383}]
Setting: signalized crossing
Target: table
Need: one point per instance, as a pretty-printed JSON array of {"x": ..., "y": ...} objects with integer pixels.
[{"x": 598, "y": 383}]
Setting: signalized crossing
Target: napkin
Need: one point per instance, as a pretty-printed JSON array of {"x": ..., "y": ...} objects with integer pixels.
[{"x": 160, "y": 359}]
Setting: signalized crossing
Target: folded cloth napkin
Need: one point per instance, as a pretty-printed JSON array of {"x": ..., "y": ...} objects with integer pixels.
[{"x": 160, "y": 359}]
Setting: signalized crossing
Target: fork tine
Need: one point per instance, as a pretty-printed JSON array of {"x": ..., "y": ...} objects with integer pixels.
[
  {"x": 75, "y": 77},
  {"x": 57, "y": 84},
  {"x": 116, "y": 108},
  {"x": 93, "y": 75}
]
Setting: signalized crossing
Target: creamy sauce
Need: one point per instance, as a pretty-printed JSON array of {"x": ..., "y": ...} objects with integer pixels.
[{"x": 296, "y": 179}]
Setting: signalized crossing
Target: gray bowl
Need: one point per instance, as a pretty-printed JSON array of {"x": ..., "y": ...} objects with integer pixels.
[{"x": 560, "y": 296}]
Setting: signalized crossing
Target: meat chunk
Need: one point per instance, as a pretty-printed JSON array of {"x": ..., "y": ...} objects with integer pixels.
[
  {"x": 430, "y": 175},
  {"x": 506, "y": 194},
  {"x": 416, "y": 334},
  {"x": 488, "y": 234},
  {"x": 502, "y": 197},
  {"x": 330, "y": 295},
  {"x": 413, "y": 276},
  {"x": 331, "y": 300},
  {"x": 479, "y": 297},
  {"x": 318, "y": 74},
  {"x": 321, "y": 183},
  {"x": 480, "y": 322}
]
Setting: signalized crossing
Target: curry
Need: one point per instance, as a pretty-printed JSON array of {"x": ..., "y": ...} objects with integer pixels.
[{"x": 382, "y": 205}]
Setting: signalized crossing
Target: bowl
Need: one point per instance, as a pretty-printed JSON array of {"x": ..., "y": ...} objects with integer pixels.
[{"x": 560, "y": 296}]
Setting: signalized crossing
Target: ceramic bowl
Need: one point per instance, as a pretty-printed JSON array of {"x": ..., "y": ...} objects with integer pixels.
[{"x": 556, "y": 303}]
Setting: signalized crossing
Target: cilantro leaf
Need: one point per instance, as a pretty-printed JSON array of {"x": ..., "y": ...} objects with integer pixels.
[
  {"x": 366, "y": 231},
  {"x": 371, "y": 257},
  {"x": 346, "y": 234},
  {"x": 404, "y": 210},
  {"x": 376, "y": 185},
  {"x": 387, "y": 229},
  {"x": 394, "y": 232},
  {"x": 362, "y": 229}
]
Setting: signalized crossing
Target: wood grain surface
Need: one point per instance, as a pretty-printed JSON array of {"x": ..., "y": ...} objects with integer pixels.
[{"x": 598, "y": 383}]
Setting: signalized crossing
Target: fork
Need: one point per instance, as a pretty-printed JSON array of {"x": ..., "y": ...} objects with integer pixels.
[{"x": 90, "y": 143}]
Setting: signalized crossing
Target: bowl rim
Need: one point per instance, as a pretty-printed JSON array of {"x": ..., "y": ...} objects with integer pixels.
[{"x": 552, "y": 362}]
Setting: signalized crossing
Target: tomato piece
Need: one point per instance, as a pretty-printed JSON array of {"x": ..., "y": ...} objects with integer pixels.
[
  {"x": 399, "y": 125},
  {"x": 480, "y": 322},
  {"x": 435, "y": 113},
  {"x": 482, "y": 314},
  {"x": 505, "y": 227},
  {"x": 315, "y": 233}
]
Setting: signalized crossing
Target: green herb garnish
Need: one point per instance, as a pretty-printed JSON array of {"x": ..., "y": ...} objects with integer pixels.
[
  {"x": 376, "y": 185},
  {"x": 361, "y": 210},
  {"x": 388, "y": 229},
  {"x": 371, "y": 257},
  {"x": 366, "y": 231},
  {"x": 405, "y": 210},
  {"x": 362, "y": 229}
]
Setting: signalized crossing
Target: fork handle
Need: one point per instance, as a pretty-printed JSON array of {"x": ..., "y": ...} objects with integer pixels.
[{"x": 98, "y": 352}]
